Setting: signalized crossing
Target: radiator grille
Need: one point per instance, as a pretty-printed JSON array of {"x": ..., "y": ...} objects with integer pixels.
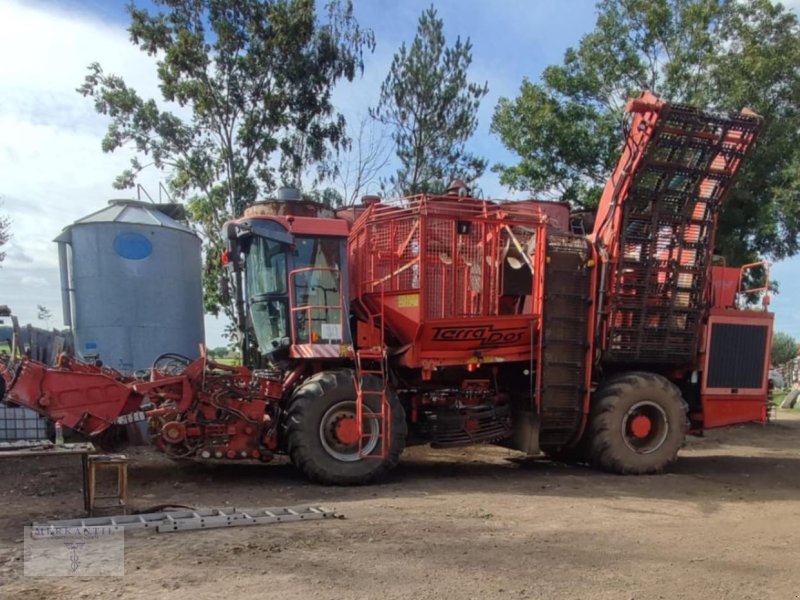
[{"x": 736, "y": 356}]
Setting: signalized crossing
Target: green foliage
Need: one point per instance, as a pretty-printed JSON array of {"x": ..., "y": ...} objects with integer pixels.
[
  {"x": 431, "y": 109},
  {"x": 250, "y": 83},
  {"x": 219, "y": 352},
  {"x": 568, "y": 128},
  {"x": 327, "y": 196},
  {"x": 784, "y": 348}
]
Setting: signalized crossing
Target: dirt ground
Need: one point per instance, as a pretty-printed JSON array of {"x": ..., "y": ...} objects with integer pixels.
[{"x": 472, "y": 523}]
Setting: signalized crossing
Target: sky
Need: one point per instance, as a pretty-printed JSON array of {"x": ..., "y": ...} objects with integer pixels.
[{"x": 53, "y": 171}]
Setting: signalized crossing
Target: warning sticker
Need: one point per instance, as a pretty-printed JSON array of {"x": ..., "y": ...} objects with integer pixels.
[
  {"x": 408, "y": 301},
  {"x": 331, "y": 331}
]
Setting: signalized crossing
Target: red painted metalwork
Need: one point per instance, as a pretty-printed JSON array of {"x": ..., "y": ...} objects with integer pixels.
[
  {"x": 655, "y": 227},
  {"x": 82, "y": 397},
  {"x": 347, "y": 431},
  {"x": 761, "y": 292},
  {"x": 728, "y": 405},
  {"x": 319, "y": 347},
  {"x": 371, "y": 362},
  {"x": 724, "y": 282},
  {"x": 207, "y": 411},
  {"x": 437, "y": 263}
]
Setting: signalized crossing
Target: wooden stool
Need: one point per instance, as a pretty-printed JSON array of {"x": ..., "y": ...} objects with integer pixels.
[{"x": 109, "y": 461}]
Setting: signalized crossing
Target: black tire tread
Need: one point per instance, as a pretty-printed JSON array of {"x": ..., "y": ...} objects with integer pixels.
[
  {"x": 603, "y": 449},
  {"x": 300, "y": 442}
]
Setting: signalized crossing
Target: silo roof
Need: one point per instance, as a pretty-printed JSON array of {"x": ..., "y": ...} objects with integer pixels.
[
  {"x": 130, "y": 211},
  {"x": 133, "y": 211}
]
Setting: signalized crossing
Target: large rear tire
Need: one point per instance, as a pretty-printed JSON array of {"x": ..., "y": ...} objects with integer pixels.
[
  {"x": 319, "y": 430},
  {"x": 637, "y": 424}
]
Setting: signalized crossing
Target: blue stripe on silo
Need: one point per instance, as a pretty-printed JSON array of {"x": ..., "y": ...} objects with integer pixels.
[{"x": 132, "y": 246}]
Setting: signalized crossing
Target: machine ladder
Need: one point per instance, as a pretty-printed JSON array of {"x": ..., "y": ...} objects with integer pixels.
[
  {"x": 186, "y": 520},
  {"x": 372, "y": 401}
]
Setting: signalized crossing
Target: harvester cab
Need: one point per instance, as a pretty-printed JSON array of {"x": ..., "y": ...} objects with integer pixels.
[{"x": 289, "y": 265}]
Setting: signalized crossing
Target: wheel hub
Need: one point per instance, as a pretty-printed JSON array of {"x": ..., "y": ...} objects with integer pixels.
[
  {"x": 339, "y": 433},
  {"x": 346, "y": 430},
  {"x": 645, "y": 427},
  {"x": 641, "y": 425}
]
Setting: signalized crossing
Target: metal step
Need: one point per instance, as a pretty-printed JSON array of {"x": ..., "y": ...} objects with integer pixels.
[{"x": 186, "y": 520}]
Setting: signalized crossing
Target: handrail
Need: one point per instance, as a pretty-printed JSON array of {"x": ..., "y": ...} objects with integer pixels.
[{"x": 765, "y": 299}]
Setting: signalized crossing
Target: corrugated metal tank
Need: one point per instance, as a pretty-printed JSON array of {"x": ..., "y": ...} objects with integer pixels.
[{"x": 131, "y": 284}]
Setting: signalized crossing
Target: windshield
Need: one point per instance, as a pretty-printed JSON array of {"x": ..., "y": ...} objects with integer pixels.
[
  {"x": 266, "y": 292},
  {"x": 316, "y": 288},
  {"x": 266, "y": 268}
]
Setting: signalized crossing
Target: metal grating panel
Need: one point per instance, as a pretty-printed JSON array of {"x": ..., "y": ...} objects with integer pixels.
[
  {"x": 451, "y": 249},
  {"x": 566, "y": 311},
  {"x": 658, "y": 295},
  {"x": 736, "y": 356}
]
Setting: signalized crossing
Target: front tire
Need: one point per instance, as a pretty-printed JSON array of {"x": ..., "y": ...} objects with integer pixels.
[
  {"x": 319, "y": 434},
  {"x": 637, "y": 424}
]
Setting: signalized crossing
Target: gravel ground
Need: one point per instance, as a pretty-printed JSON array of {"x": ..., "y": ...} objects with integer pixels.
[{"x": 472, "y": 523}]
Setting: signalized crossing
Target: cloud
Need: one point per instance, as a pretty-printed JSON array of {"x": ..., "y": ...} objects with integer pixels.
[
  {"x": 52, "y": 170},
  {"x": 16, "y": 255},
  {"x": 33, "y": 281}
]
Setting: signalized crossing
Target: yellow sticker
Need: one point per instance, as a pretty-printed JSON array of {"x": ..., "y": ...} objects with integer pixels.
[{"x": 408, "y": 301}]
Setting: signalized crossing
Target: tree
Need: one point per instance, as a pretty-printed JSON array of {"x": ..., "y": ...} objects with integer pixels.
[
  {"x": 568, "y": 128},
  {"x": 784, "y": 348},
  {"x": 431, "y": 109},
  {"x": 327, "y": 196},
  {"x": 358, "y": 167},
  {"x": 219, "y": 352},
  {"x": 44, "y": 314},
  {"x": 5, "y": 234},
  {"x": 250, "y": 83}
]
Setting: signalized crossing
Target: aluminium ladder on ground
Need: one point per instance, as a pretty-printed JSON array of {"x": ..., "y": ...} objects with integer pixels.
[{"x": 187, "y": 520}]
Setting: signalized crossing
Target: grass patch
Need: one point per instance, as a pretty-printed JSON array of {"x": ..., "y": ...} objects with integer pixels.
[{"x": 777, "y": 399}]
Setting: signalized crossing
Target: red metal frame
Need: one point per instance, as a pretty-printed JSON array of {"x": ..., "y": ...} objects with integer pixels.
[
  {"x": 438, "y": 260},
  {"x": 726, "y": 406},
  {"x": 428, "y": 272},
  {"x": 756, "y": 290},
  {"x": 730, "y": 144},
  {"x": 90, "y": 399}
]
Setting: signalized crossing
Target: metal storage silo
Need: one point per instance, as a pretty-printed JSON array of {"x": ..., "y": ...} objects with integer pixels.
[{"x": 131, "y": 284}]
